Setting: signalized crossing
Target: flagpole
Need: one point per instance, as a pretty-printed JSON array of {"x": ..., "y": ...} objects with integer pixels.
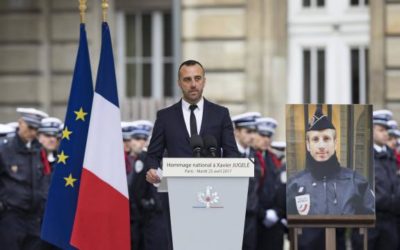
[
  {"x": 82, "y": 9},
  {"x": 104, "y": 6}
]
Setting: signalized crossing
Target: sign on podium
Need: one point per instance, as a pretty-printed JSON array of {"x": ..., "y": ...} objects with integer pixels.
[{"x": 207, "y": 198}]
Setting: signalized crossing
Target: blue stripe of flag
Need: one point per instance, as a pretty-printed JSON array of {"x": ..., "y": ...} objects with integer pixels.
[{"x": 62, "y": 199}]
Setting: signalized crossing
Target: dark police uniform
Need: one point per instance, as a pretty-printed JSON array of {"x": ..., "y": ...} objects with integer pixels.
[
  {"x": 247, "y": 121},
  {"x": 326, "y": 188},
  {"x": 23, "y": 190},
  {"x": 271, "y": 197},
  {"x": 270, "y": 230},
  {"x": 384, "y": 234},
  {"x": 149, "y": 231},
  {"x": 50, "y": 126},
  {"x": 344, "y": 193},
  {"x": 252, "y": 208},
  {"x": 148, "y": 227}
]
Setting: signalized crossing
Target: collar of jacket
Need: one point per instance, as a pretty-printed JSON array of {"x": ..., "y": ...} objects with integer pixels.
[
  {"x": 21, "y": 145},
  {"x": 326, "y": 169}
]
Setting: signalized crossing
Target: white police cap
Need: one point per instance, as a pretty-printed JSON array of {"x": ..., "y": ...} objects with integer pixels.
[
  {"x": 51, "y": 126},
  {"x": 5, "y": 130},
  {"x": 382, "y": 117},
  {"x": 142, "y": 129},
  {"x": 32, "y": 116},
  {"x": 393, "y": 128},
  {"x": 13, "y": 124},
  {"x": 246, "y": 120},
  {"x": 145, "y": 124},
  {"x": 266, "y": 126},
  {"x": 394, "y": 132},
  {"x": 392, "y": 124},
  {"x": 127, "y": 130},
  {"x": 278, "y": 144}
]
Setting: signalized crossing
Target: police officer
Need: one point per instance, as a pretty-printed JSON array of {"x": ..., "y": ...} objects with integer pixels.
[
  {"x": 23, "y": 185},
  {"x": 393, "y": 145},
  {"x": 127, "y": 129},
  {"x": 384, "y": 234},
  {"x": 49, "y": 137},
  {"x": 393, "y": 141},
  {"x": 148, "y": 222},
  {"x": 327, "y": 188},
  {"x": 324, "y": 187},
  {"x": 244, "y": 130},
  {"x": 271, "y": 204},
  {"x": 279, "y": 148}
]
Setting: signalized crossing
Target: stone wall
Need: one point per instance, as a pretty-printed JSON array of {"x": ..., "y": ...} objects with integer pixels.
[
  {"x": 38, "y": 45},
  {"x": 385, "y": 55}
]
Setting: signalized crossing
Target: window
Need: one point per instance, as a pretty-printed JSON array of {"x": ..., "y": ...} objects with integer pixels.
[
  {"x": 359, "y": 74},
  {"x": 313, "y": 3},
  {"x": 314, "y": 75},
  {"x": 306, "y": 3},
  {"x": 149, "y": 59},
  {"x": 357, "y": 3}
]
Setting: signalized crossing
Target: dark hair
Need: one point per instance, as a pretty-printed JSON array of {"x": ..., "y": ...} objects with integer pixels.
[{"x": 190, "y": 63}]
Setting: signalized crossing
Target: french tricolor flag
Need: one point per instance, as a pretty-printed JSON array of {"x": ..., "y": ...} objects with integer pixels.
[{"x": 102, "y": 215}]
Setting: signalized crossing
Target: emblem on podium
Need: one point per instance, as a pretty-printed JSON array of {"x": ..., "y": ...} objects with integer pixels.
[{"x": 209, "y": 199}]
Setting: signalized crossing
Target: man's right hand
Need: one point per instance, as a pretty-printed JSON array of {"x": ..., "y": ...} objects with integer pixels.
[{"x": 152, "y": 176}]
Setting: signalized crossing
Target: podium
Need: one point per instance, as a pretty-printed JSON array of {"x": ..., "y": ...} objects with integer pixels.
[{"x": 207, "y": 199}]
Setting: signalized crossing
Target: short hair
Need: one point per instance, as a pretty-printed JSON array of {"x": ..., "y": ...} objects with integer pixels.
[
  {"x": 190, "y": 63},
  {"x": 334, "y": 134}
]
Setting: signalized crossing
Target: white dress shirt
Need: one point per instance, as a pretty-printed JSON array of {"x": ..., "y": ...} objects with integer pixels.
[
  {"x": 379, "y": 149},
  {"x": 198, "y": 113},
  {"x": 242, "y": 150}
]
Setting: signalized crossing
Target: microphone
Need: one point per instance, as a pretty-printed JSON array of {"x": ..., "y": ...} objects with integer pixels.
[
  {"x": 211, "y": 145},
  {"x": 196, "y": 142}
]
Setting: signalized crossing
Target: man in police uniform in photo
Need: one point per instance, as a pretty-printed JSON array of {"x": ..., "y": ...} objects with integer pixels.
[
  {"x": 244, "y": 130},
  {"x": 23, "y": 185},
  {"x": 324, "y": 187},
  {"x": 148, "y": 224}
]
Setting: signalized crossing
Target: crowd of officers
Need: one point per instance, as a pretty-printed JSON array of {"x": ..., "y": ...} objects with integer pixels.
[{"x": 28, "y": 156}]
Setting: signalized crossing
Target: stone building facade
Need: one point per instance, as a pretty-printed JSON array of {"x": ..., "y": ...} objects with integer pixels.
[
  {"x": 385, "y": 55},
  {"x": 242, "y": 43}
]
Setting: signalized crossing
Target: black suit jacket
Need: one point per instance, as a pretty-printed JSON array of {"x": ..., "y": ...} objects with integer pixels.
[{"x": 170, "y": 135}]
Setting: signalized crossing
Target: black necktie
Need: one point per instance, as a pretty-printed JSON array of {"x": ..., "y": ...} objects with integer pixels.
[{"x": 193, "y": 123}]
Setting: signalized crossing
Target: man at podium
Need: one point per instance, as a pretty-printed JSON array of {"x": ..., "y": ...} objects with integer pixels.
[{"x": 192, "y": 116}]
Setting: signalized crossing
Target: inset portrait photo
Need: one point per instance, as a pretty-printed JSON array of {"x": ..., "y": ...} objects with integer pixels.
[{"x": 330, "y": 164}]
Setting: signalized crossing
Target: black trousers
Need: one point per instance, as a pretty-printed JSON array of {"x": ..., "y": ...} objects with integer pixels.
[
  {"x": 314, "y": 238},
  {"x": 19, "y": 231},
  {"x": 270, "y": 238},
  {"x": 167, "y": 218},
  {"x": 250, "y": 232},
  {"x": 382, "y": 236},
  {"x": 149, "y": 232}
]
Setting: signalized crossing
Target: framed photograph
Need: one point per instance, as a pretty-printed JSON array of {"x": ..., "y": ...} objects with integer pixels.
[{"x": 330, "y": 165}]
